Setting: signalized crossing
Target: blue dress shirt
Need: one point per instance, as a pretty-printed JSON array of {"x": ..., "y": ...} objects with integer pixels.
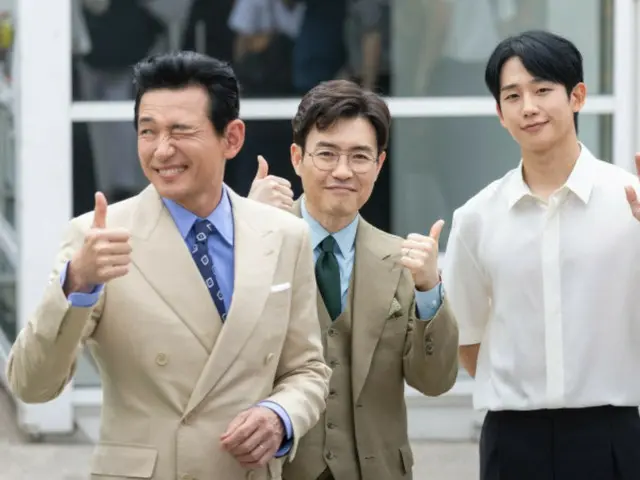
[
  {"x": 220, "y": 245},
  {"x": 427, "y": 303}
]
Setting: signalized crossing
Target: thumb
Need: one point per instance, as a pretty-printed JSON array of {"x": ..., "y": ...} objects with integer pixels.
[
  {"x": 263, "y": 168},
  {"x": 100, "y": 211},
  {"x": 436, "y": 230}
]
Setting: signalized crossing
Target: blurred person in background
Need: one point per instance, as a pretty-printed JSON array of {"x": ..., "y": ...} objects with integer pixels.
[
  {"x": 541, "y": 269},
  {"x": 197, "y": 304},
  {"x": 367, "y": 35},
  {"x": 383, "y": 312},
  {"x": 265, "y": 32}
]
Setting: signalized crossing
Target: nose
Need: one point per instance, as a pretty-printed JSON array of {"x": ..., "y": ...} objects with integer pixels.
[
  {"x": 529, "y": 107},
  {"x": 164, "y": 150},
  {"x": 342, "y": 170}
]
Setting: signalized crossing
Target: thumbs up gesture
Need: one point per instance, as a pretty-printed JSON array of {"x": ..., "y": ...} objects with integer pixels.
[
  {"x": 420, "y": 256},
  {"x": 269, "y": 189},
  {"x": 105, "y": 254}
]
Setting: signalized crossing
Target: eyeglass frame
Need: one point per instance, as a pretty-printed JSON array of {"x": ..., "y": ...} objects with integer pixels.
[{"x": 370, "y": 162}]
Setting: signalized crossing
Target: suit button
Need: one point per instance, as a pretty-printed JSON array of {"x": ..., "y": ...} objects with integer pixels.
[
  {"x": 162, "y": 359},
  {"x": 331, "y": 425},
  {"x": 329, "y": 455},
  {"x": 332, "y": 332},
  {"x": 332, "y": 393},
  {"x": 333, "y": 363}
]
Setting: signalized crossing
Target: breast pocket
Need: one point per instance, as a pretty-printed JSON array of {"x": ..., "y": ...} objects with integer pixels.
[{"x": 119, "y": 461}]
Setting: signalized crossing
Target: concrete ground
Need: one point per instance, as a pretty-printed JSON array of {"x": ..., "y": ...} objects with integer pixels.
[{"x": 68, "y": 459}]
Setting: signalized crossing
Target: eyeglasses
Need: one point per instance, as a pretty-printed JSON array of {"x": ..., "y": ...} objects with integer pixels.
[{"x": 327, "y": 160}]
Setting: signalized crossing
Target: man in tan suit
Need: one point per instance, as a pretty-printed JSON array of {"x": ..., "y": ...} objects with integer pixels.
[
  {"x": 189, "y": 392},
  {"x": 378, "y": 332}
]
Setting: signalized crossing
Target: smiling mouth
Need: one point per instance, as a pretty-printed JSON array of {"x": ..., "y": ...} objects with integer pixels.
[
  {"x": 534, "y": 126},
  {"x": 170, "y": 171}
]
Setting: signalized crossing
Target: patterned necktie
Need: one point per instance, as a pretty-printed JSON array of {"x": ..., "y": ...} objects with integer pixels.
[
  {"x": 200, "y": 254},
  {"x": 328, "y": 277}
]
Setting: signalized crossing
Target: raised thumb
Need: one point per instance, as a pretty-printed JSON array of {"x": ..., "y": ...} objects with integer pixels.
[
  {"x": 263, "y": 168},
  {"x": 100, "y": 211}
]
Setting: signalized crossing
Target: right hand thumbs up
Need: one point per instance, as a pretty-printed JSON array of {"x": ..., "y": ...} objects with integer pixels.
[
  {"x": 263, "y": 168},
  {"x": 104, "y": 255},
  {"x": 269, "y": 189},
  {"x": 100, "y": 211}
]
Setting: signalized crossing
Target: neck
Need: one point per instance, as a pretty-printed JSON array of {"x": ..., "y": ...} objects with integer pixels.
[
  {"x": 546, "y": 171},
  {"x": 331, "y": 223},
  {"x": 204, "y": 204}
]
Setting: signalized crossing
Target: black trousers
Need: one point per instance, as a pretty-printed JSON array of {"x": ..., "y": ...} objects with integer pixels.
[{"x": 599, "y": 443}]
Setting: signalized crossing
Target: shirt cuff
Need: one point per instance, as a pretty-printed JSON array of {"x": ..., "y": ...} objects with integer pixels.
[
  {"x": 82, "y": 300},
  {"x": 428, "y": 303},
  {"x": 287, "y": 443}
]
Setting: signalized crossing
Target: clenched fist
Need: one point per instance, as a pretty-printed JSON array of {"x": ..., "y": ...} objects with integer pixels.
[
  {"x": 105, "y": 254},
  {"x": 420, "y": 256},
  {"x": 269, "y": 189}
]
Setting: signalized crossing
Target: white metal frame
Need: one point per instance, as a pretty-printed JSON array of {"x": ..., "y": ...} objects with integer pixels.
[{"x": 44, "y": 119}]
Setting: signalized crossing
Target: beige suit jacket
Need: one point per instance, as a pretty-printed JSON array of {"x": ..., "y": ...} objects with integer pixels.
[
  {"x": 173, "y": 376},
  {"x": 389, "y": 346}
]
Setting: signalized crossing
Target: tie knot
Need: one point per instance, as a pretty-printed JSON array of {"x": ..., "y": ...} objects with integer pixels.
[
  {"x": 202, "y": 229},
  {"x": 328, "y": 244}
]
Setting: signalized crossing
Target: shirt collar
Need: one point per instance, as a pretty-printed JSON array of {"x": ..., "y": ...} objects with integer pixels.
[
  {"x": 221, "y": 218},
  {"x": 345, "y": 238},
  {"x": 580, "y": 182}
]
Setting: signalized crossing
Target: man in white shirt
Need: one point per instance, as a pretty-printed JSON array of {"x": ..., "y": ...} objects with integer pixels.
[{"x": 541, "y": 271}]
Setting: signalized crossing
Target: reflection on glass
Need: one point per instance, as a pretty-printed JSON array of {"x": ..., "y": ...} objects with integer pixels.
[
  {"x": 440, "y": 47},
  {"x": 8, "y": 322},
  {"x": 440, "y": 163},
  {"x": 7, "y": 158}
]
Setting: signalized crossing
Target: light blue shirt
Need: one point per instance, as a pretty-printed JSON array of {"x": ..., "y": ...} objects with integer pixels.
[
  {"x": 427, "y": 303},
  {"x": 220, "y": 246}
]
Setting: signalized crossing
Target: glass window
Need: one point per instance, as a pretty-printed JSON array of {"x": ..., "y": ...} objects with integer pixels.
[
  {"x": 404, "y": 48},
  {"x": 8, "y": 324},
  {"x": 442, "y": 162},
  {"x": 440, "y": 47}
]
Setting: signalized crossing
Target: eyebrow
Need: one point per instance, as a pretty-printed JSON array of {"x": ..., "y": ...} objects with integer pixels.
[
  {"x": 366, "y": 148},
  {"x": 511, "y": 86},
  {"x": 175, "y": 126}
]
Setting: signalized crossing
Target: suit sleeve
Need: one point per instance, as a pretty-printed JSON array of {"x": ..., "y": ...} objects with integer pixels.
[
  {"x": 43, "y": 358},
  {"x": 302, "y": 377},
  {"x": 431, "y": 351}
]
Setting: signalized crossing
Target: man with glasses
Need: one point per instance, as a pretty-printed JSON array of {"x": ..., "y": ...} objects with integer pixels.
[{"x": 384, "y": 316}]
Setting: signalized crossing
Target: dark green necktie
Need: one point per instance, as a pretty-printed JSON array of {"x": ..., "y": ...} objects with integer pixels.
[{"x": 328, "y": 277}]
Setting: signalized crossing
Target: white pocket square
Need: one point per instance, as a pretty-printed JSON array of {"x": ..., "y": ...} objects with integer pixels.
[{"x": 280, "y": 287}]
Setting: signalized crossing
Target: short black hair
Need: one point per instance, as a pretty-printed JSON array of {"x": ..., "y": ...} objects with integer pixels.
[
  {"x": 184, "y": 69},
  {"x": 333, "y": 100},
  {"x": 545, "y": 55}
]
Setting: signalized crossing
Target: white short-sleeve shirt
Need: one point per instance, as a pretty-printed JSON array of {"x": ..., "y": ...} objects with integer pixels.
[{"x": 551, "y": 290}]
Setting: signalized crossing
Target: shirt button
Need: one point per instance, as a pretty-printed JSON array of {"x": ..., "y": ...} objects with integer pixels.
[{"x": 162, "y": 359}]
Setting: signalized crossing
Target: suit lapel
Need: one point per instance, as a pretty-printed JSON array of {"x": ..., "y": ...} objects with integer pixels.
[
  {"x": 163, "y": 258},
  {"x": 255, "y": 252},
  {"x": 375, "y": 282}
]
